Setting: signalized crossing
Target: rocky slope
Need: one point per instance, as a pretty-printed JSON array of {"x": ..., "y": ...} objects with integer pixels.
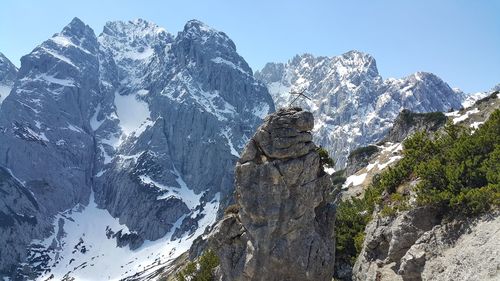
[
  {"x": 8, "y": 73},
  {"x": 418, "y": 243},
  {"x": 142, "y": 123},
  {"x": 368, "y": 161},
  {"x": 353, "y": 105},
  {"x": 281, "y": 227},
  {"x": 415, "y": 245}
]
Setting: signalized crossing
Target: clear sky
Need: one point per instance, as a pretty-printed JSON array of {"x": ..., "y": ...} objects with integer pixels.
[{"x": 457, "y": 40}]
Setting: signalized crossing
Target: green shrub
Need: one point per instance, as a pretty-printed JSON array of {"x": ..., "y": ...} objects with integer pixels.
[
  {"x": 350, "y": 223},
  {"x": 324, "y": 158},
  {"x": 352, "y": 217},
  {"x": 431, "y": 117},
  {"x": 365, "y": 151},
  {"x": 201, "y": 270},
  {"x": 457, "y": 171}
]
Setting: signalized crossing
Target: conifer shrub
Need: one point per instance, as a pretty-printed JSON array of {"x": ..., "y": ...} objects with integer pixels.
[
  {"x": 457, "y": 170},
  {"x": 202, "y": 270}
]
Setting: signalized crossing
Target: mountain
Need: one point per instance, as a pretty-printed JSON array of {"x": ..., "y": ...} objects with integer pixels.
[
  {"x": 352, "y": 104},
  {"x": 121, "y": 147},
  {"x": 8, "y": 73}
]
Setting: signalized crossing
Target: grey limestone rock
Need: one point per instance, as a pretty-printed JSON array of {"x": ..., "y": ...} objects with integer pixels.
[
  {"x": 283, "y": 229},
  {"x": 389, "y": 238},
  {"x": 417, "y": 245}
]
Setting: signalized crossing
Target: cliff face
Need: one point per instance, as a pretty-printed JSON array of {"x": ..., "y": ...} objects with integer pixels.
[{"x": 282, "y": 225}]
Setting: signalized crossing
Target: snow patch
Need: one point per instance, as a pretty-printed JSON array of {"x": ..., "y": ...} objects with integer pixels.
[
  {"x": 66, "y": 42},
  {"x": 471, "y": 99},
  {"x": 261, "y": 111},
  {"x": 226, "y": 135},
  {"x": 4, "y": 92},
  {"x": 220, "y": 60},
  {"x": 74, "y": 128},
  {"x": 476, "y": 125},
  {"x": 354, "y": 180},
  {"x": 60, "y": 57},
  {"x": 138, "y": 55},
  {"x": 329, "y": 170},
  {"x": 102, "y": 259},
  {"x": 391, "y": 160},
  {"x": 94, "y": 124},
  {"x": 131, "y": 111},
  {"x": 188, "y": 196},
  {"x": 464, "y": 116}
]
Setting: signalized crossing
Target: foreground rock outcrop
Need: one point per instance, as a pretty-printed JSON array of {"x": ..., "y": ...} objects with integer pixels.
[
  {"x": 415, "y": 246},
  {"x": 282, "y": 225}
]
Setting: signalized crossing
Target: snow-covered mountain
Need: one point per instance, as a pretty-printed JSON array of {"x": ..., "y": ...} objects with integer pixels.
[
  {"x": 352, "y": 104},
  {"x": 124, "y": 139},
  {"x": 8, "y": 72}
]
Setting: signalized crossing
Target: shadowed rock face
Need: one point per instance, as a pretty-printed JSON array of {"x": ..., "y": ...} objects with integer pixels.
[
  {"x": 151, "y": 123},
  {"x": 284, "y": 227}
]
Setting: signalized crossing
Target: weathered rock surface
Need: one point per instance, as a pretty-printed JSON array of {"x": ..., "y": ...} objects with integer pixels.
[
  {"x": 416, "y": 245},
  {"x": 283, "y": 226}
]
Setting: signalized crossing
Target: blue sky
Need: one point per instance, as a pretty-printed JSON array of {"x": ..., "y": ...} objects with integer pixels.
[{"x": 457, "y": 40}]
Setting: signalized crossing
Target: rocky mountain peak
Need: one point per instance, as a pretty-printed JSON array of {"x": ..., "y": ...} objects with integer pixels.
[
  {"x": 131, "y": 45},
  {"x": 138, "y": 32},
  {"x": 422, "y": 77},
  {"x": 77, "y": 33},
  {"x": 199, "y": 32},
  {"x": 352, "y": 104},
  {"x": 8, "y": 70},
  {"x": 76, "y": 26},
  {"x": 362, "y": 62},
  {"x": 8, "y": 73},
  {"x": 272, "y": 72},
  {"x": 196, "y": 28},
  {"x": 72, "y": 49},
  {"x": 282, "y": 225}
]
